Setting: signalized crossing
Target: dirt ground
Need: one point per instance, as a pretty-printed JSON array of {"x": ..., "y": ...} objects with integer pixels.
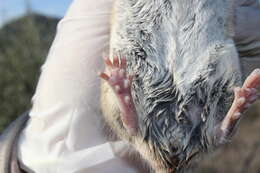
[{"x": 242, "y": 154}]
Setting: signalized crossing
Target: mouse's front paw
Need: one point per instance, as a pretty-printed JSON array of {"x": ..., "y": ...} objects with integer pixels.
[{"x": 121, "y": 83}]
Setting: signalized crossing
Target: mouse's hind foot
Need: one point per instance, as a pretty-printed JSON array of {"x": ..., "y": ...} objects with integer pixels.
[{"x": 244, "y": 98}]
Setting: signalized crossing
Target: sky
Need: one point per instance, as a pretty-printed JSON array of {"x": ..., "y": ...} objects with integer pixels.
[{"x": 13, "y": 8}]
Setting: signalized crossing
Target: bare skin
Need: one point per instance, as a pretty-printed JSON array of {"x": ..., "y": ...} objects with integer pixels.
[
  {"x": 120, "y": 82},
  {"x": 244, "y": 98}
]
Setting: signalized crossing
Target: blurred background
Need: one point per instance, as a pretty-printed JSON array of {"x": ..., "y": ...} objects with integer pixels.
[{"x": 27, "y": 29}]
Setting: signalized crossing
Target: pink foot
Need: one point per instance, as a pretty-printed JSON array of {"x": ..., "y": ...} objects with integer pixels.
[
  {"x": 120, "y": 82},
  {"x": 244, "y": 97}
]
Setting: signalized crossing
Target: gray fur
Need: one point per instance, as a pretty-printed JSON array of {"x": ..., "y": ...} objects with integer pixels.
[{"x": 186, "y": 64}]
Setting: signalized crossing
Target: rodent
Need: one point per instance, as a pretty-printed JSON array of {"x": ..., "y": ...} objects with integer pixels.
[{"x": 185, "y": 64}]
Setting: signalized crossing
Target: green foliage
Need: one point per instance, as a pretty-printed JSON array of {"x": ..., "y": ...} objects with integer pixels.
[{"x": 24, "y": 44}]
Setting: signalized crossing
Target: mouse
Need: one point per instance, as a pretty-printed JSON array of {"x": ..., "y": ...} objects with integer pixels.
[{"x": 173, "y": 86}]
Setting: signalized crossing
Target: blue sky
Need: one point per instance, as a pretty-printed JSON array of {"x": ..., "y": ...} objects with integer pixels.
[{"x": 13, "y": 8}]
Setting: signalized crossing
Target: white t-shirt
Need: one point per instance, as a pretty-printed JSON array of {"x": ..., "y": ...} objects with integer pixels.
[{"x": 64, "y": 134}]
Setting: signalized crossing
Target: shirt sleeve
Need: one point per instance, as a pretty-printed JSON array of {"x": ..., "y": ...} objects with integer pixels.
[{"x": 64, "y": 133}]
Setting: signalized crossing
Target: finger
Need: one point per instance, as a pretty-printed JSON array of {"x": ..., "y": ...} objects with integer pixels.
[
  {"x": 116, "y": 61},
  {"x": 108, "y": 62},
  {"x": 123, "y": 63},
  {"x": 104, "y": 76},
  {"x": 253, "y": 80}
]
